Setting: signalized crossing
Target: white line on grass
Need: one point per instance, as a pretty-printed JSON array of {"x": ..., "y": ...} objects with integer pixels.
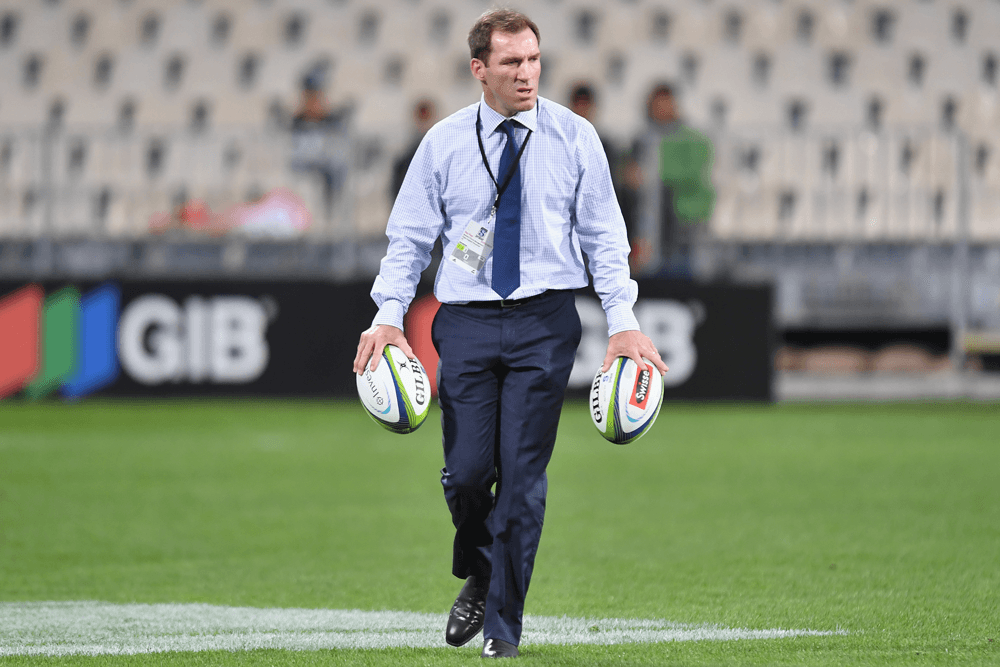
[{"x": 101, "y": 628}]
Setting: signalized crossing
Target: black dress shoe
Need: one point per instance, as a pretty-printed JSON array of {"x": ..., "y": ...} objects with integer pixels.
[
  {"x": 467, "y": 614},
  {"x": 498, "y": 648}
]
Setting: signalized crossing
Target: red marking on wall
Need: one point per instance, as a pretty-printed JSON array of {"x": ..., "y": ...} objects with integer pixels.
[
  {"x": 19, "y": 330},
  {"x": 418, "y": 322}
]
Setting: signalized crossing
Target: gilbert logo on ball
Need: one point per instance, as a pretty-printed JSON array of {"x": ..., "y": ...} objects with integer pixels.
[
  {"x": 625, "y": 401},
  {"x": 397, "y": 395}
]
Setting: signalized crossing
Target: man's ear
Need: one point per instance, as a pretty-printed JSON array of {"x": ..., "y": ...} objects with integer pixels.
[{"x": 477, "y": 66}]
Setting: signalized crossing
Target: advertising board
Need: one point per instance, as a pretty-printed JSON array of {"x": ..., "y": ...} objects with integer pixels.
[{"x": 246, "y": 338}]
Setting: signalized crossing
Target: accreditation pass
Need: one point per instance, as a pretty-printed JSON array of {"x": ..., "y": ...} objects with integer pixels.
[{"x": 474, "y": 247}]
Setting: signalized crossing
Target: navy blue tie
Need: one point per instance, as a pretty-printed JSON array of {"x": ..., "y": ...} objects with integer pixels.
[{"x": 507, "y": 234}]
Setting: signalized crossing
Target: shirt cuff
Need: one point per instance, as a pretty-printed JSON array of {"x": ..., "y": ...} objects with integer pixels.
[
  {"x": 391, "y": 312},
  {"x": 621, "y": 318}
]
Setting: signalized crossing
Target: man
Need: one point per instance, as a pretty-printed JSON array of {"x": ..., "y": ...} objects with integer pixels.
[
  {"x": 667, "y": 185},
  {"x": 583, "y": 102},
  {"x": 517, "y": 186},
  {"x": 319, "y": 139},
  {"x": 424, "y": 117}
]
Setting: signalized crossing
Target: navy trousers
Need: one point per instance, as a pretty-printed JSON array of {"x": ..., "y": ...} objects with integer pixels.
[{"x": 501, "y": 382}]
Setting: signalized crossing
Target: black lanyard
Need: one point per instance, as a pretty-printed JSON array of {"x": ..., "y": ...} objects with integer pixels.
[{"x": 513, "y": 167}]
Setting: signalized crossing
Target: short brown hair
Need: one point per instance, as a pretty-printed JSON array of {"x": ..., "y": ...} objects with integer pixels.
[{"x": 504, "y": 20}]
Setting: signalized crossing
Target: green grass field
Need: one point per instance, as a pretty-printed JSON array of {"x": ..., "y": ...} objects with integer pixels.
[{"x": 881, "y": 520}]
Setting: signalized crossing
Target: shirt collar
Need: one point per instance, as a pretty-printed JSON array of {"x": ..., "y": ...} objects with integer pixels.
[{"x": 492, "y": 119}]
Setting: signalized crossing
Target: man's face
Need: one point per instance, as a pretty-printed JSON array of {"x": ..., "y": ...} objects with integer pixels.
[
  {"x": 663, "y": 109},
  {"x": 583, "y": 106},
  {"x": 510, "y": 78}
]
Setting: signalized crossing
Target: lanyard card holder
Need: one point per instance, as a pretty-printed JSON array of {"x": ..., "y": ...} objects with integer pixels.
[{"x": 474, "y": 247}]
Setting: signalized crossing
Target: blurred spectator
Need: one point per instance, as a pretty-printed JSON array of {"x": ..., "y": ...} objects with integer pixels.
[
  {"x": 320, "y": 141},
  {"x": 190, "y": 216},
  {"x": 196, "y": 214},
  {"x": 583, "y": 102},
  {"x": 279, "y": 213},
  {"x": 667, "y": 184},
  {"x": 424, "y": 117}
]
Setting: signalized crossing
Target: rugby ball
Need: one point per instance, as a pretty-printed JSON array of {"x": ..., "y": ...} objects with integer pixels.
[
  {"x": 625, "y": 401},
  {"x": 398, "y": 394}
]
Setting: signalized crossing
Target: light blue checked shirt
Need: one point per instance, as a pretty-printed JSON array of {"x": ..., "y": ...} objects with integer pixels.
[{"x": 568, "y": 205}]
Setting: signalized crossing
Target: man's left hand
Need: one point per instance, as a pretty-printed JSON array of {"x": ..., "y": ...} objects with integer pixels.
[{"x": 633, "y": 344}]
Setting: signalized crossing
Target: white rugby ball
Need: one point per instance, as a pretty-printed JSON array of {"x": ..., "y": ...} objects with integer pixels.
[
  {"x": 398, "y": 394},
  {"x": 625, "y": 401}
]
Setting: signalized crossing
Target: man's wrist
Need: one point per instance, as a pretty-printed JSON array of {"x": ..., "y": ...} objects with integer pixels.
[
  {"x": 391, "y": 313},
  {"x": 621, "y": 318}
]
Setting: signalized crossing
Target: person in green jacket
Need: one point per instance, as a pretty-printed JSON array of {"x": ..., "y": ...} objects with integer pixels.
[{"x": 664, "y": 218}]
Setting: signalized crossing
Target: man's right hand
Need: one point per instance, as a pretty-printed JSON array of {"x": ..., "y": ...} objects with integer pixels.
[{"x": 376, "y": 338}]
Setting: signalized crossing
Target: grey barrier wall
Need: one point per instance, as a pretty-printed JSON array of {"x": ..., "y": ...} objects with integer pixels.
[{"x": 246, "y": 338}]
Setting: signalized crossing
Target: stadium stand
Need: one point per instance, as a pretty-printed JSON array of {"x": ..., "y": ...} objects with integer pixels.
[{"x": 833, "y": 120}]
